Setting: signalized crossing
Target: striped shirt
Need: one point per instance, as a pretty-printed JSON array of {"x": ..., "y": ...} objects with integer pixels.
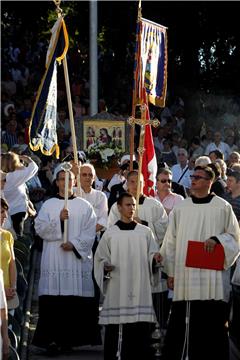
[{"x": 9, "y": 139}]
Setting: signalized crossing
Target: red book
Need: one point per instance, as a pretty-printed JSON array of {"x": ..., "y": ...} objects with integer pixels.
[{"x": 197, "y": 257}]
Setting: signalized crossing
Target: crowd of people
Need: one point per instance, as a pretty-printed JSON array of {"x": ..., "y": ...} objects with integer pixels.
[
  {"x": 123, "y": 265},
  {"x": 128, "y": 259}
]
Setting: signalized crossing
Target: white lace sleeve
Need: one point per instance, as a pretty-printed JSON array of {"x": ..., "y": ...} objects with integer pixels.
[
  {"x": 84, "y": 241},
  {"x": 48, "y": 225}
]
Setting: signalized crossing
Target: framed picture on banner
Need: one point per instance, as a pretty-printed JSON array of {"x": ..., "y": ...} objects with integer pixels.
[{"x": 103, "y": 138}]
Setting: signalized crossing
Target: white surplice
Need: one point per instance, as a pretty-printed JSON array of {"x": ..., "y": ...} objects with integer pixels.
[
  {"x": 98, "y": 200},
  {"x": 128, "y": 296},
  {"x": 194, "y": 221},
  {"x": 62, "y": 273},
  {"x": 153, "y": 212}
]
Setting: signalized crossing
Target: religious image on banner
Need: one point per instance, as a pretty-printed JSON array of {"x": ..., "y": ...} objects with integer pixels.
[
  {"x": 150, "y": 86},
  {"x": 151, "y": 59},
  {"x": 42, "y": 131}
]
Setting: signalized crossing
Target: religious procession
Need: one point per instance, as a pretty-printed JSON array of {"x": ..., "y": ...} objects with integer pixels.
[{"x": 120, "y": 194}]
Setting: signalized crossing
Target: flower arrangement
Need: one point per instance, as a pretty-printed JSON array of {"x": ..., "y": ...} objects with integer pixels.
[{"x": 105, "y": 155}]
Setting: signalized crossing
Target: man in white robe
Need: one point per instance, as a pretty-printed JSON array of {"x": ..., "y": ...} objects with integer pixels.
[
  {"x": 127, "y": 251},
  {"x": 96, "y": 198},
  {"x": 197, "y": 325},
  {"x": 66, "y": 290},
  {"x": 150, "y": 213}
]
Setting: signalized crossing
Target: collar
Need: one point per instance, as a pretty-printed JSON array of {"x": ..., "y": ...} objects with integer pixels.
[
  {"x": 207, "y": 199},
  {"x": 142, "y": 199},
  {"x": 62, "y": 197},
  {"x": 81, "y": 189},
  {"x": 126, "y": 226}
]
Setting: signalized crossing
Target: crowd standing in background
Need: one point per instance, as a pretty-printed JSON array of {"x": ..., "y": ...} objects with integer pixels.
[{"x": 32, "y": 190}]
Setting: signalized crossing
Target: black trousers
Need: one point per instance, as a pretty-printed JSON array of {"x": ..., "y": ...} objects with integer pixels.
[
  {"x": 208, "y": 334},
  {"x": 135, "y": 341},
  {"x": 18, "y": 222},
  {"x": 60, "y": 316}
]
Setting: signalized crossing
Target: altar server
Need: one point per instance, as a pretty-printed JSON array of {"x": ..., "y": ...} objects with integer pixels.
[{"x": 127, "y": 251}]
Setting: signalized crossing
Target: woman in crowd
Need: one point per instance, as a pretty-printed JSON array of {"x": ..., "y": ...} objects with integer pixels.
[
  {"x": 7, "y": 258},
  {"x": 19, "y": 169}
]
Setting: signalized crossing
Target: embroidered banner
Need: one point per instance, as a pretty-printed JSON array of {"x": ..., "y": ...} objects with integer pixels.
[{"x": 42, "y": 131}]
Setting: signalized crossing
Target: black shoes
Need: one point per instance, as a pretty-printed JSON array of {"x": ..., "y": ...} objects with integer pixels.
[{"x": 53, "y": 350}]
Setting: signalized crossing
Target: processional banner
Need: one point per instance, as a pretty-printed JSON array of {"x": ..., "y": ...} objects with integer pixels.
[{"x": 42, "y": 132}]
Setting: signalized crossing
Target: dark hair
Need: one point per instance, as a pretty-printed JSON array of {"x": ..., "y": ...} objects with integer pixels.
[
  {"x": 234, "y": 173},
  {"x": 163, "y": 165},
  {"x": 4, "y": 204},
  {"x": 62, "y": 171},
  {"x": 127, "y": 164},
  {"x": 208, "y": 171},
  {"x": 218, "y": 154},
  {"x": 123, "y": 196},
  {"x": 196, "y": 140},
  {"x": 216, "y": 169},
  {"x": 132, "y": 173},
  {"x": 167, "y": 141},
  {"x": 165, "y": 171}
]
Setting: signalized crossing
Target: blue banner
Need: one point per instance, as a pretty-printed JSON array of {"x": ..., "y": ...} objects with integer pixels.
[{"x": 42, "y": 131}]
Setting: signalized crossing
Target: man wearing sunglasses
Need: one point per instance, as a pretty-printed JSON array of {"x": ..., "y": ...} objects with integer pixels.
[
  {"x": 201, "y": 295},
  {"x": 164, "y": 190}
]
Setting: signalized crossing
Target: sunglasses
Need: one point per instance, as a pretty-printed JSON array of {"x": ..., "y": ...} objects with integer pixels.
[
  {"x": 198, "y": 177},
  {"x": 163, "y": 181}
]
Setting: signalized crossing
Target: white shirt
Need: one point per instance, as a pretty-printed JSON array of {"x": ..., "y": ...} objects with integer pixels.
[
  {"x": 15, "y": 188},
  {"x": 223, "y": 147},
  {"x": 177, "y": 172}
]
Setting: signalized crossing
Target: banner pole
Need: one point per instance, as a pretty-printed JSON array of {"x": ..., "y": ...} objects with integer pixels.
[
  {"x": 71, "y": 118},
  {"x": 69, "y": 101}
]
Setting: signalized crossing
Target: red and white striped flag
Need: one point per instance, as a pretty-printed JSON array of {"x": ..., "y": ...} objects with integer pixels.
[
  {"x": 150, "y": 85},
  {"x": 149, "y": 162}
]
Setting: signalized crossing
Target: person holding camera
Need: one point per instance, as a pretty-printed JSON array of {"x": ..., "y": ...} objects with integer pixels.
[{"x": 19, "y": 169}]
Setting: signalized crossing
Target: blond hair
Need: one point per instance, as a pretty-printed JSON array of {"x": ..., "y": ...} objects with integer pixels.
[{"x": 10, "y": 162}]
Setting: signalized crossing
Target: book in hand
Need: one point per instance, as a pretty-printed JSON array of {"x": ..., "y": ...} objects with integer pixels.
[{"x": 198, "y": 257}]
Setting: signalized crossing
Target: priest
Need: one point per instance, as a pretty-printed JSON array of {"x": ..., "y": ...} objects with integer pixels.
[
  {"x": 197, "y": 327},
  {"x": 66, "y": 290},
  {"x": 128, "y": 252}
]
